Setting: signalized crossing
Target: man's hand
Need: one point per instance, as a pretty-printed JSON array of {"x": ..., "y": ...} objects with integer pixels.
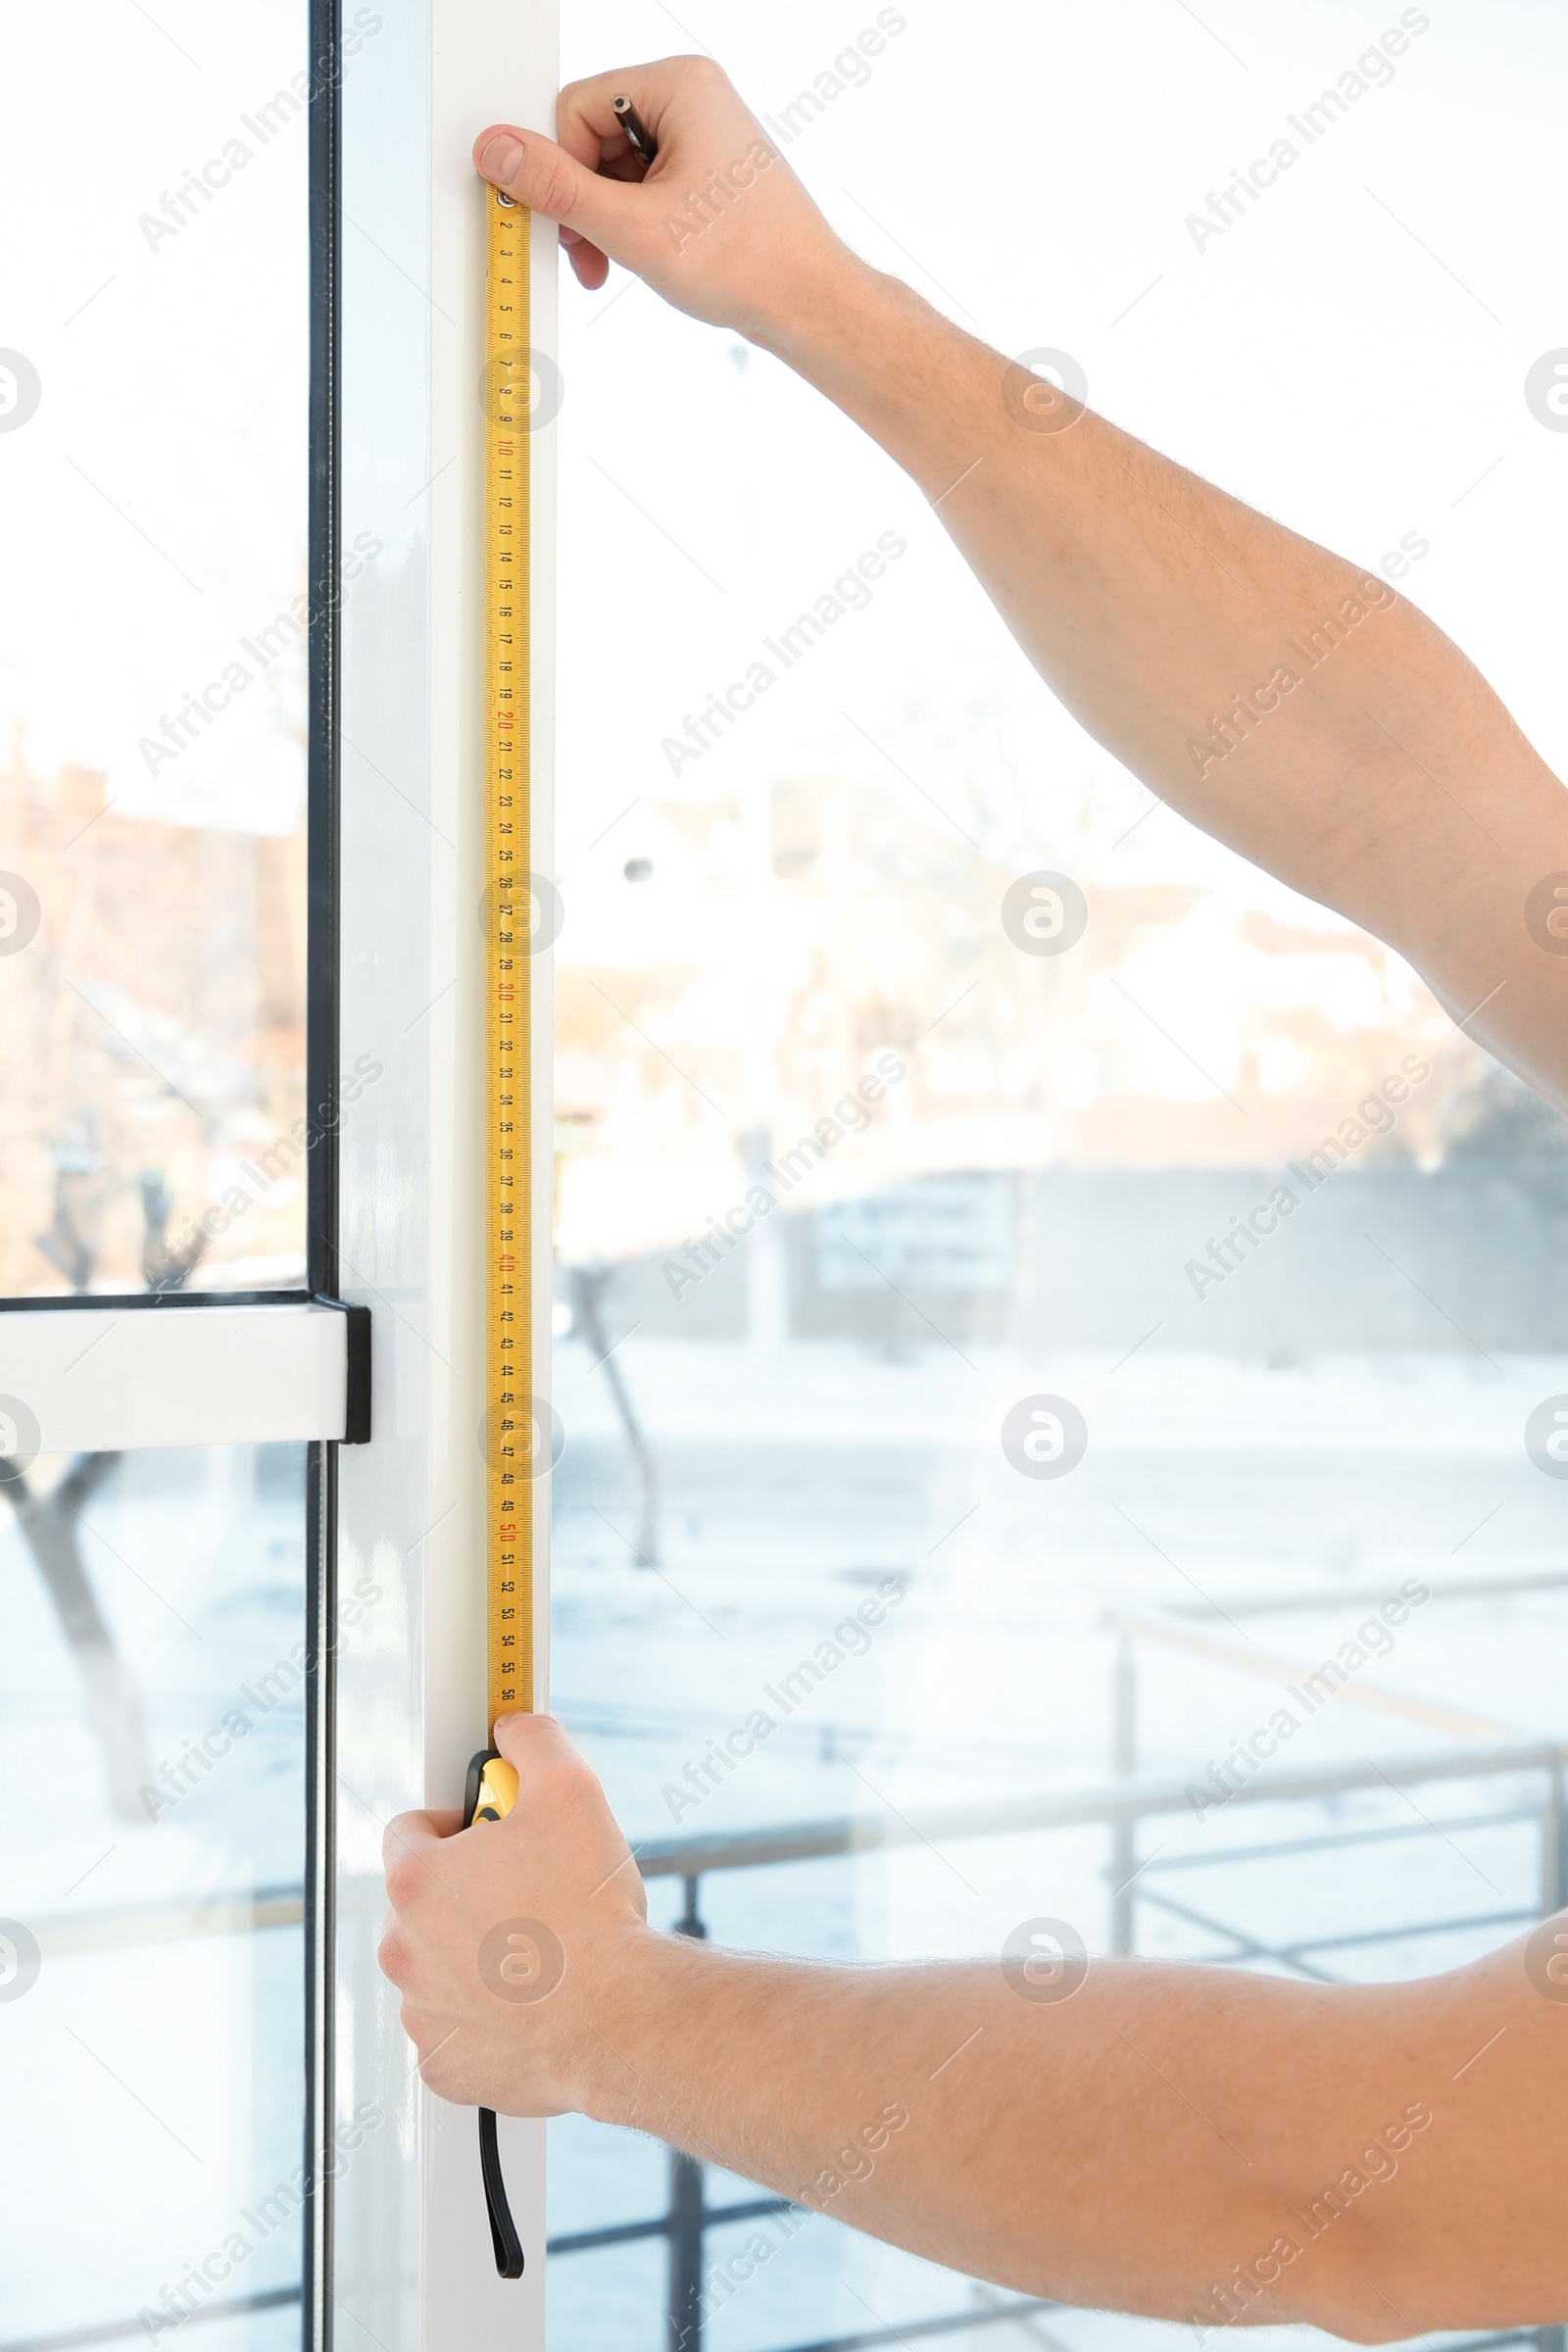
[
  {"x": 507, "y": 1939},
  {"x": 720, "y": 225}
]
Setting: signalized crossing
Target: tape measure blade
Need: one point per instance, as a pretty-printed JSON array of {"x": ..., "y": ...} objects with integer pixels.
[{"x": 513, "y": 1434}]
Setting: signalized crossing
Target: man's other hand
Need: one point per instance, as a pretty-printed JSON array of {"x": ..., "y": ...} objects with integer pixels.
[
  {"x": 720, "y": 226},
  {"x": 506, "y": 1939}
]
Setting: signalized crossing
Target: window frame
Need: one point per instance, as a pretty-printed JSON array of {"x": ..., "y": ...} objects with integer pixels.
[{"x": 404, "y": 2239}]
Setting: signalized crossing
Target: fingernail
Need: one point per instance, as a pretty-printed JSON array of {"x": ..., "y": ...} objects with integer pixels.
[{"x": 501, "y": 157}]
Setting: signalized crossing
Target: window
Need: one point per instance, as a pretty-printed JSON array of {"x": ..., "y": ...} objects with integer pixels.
[
  {"x": 967, "y": 1454},
  {"x": 173, "y": 1369},
  {"x": 155, "y": 693},
  {"x": 862, "y": 1173},
  {"x": 288, "y": 922},
  {"x": 154, "y": 1709}
]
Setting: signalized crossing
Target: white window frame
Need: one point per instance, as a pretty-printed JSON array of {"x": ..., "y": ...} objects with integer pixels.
[{"x": 408, "y": 2243}]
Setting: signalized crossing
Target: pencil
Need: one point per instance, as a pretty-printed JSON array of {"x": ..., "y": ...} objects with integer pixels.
[{"x": 639, "y": 139}]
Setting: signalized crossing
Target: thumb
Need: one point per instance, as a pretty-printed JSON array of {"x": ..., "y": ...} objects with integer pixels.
[
  {"x": 532, "y": 1743},
  {"x": 534, "y": 172}
]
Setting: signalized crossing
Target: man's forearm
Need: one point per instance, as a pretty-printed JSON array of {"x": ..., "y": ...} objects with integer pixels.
[
  {"x": 1187, "y": 2142},
  {"x": 1157, "y": 2143},
  {"x": 1286, "y": 701}
]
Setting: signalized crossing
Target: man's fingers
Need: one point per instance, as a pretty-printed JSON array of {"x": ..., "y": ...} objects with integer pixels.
[
  {"x": 410, "y": 1832},
  {"x": 533, "y": 170},
  {"x": 652, "y": 87},
  {"x": 589, "y": 264},
  {"x": 533, "y": 1743}
]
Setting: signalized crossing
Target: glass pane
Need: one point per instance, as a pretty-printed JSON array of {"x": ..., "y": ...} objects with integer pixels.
[
  {"x": 153, "y": 478},
  {"x": 869, "y": 1213},
  {"x": 152, "y": 1714}
]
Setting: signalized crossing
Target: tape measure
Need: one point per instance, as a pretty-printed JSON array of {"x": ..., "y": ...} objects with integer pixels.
[{"x": 510, "y": 914}]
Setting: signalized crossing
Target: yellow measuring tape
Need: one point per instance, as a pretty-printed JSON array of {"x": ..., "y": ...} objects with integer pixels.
[
  {"x": 510, "y": 916},
  {"x": 510, "y": 919}
]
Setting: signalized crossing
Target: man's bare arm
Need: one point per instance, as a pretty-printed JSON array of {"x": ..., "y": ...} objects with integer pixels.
[
  {"x": 1274, "y": 693},
  {"x": 1185, "y": 2142}
]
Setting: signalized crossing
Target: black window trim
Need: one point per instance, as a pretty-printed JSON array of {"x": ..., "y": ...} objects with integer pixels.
[{"x": 323, "y": 935}]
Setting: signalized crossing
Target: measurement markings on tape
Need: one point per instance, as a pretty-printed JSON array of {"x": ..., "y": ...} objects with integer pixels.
[{"x": 511, "y": 913}]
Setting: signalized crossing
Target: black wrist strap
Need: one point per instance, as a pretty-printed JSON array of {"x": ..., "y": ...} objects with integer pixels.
[{"x": 503, "y": 2229}]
